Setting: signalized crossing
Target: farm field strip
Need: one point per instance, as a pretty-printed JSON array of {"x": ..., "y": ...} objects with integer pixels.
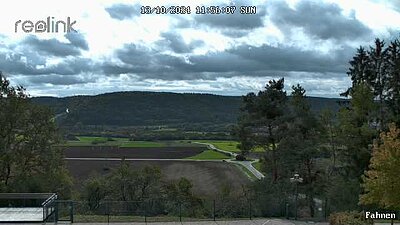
[
  {"x": 229, "y": 146},
  {"x": 135, "y": 159},
  {"x": 144, "y": 152},
  {"x": 208, "y": 177}
]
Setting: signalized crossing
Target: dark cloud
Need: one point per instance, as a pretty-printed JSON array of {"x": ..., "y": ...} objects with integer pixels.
[
  {"x": 293, "y": 59},
  {"x": 123, "y": 11},
  {"x": 71, "y": 66},
  {"x": 55, "y": 47},
  {"x": 145, "y": 61},
  {"x": 320, "y": 20},
  {"x": 176, "y": 43},
  {"x": 34, "y": 64},
  {"x": 56, "y": 79},
  {"x": 52, "y": 46},
  {"x": 78, "y": 40},
  {"x": 244, "y": 60},
  {"x": 13, "y": 63}
]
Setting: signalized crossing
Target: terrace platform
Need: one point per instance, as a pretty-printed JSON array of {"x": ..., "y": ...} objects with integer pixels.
[
  {"x": 26, "y": 207},
  {"x": 29, "y": 214}
]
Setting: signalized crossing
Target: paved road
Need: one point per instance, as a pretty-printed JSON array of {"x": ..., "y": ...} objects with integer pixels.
[
  {"x": 247, "y": 164},
  {"x": 250, "y": 167}
]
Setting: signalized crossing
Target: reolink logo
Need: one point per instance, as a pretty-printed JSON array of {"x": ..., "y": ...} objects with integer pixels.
[{"x": 50, "y": 25}]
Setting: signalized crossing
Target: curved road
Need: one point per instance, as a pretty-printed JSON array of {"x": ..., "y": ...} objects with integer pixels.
[{"x": 247, "y": 164}]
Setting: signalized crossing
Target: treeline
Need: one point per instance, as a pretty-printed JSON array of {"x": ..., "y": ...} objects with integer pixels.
[
  {"x": 155, "y": 109},
  {"x": 144, "y": 108},
  {"x": 338, "y": 155}
]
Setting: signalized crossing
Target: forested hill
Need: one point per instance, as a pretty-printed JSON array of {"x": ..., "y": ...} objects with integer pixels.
[{"x": 154, "y": 108}]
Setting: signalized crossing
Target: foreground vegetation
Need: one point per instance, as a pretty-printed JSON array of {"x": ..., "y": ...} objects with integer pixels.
[{"x": 338, "y": 155}]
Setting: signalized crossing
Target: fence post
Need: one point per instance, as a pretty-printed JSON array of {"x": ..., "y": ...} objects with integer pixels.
[
  {"x": 145, "y": 212},
  {"x": 326, "y": 208},
  {"x": 287, "y": 210},
  {"x": 250, "y": 209},
  {"x": 214, "y": 209},
  {"x": 108, "y": 212},
  {"x": 180, "y": 211},
  {"x": 55, "y": 212},
  {"x": 71, "y": 212}
]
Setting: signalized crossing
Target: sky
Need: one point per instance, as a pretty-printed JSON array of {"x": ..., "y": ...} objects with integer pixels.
[{"x": 116, "y": 48}]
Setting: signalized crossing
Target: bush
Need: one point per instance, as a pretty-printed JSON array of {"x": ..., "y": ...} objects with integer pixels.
[
  {"x": 240, "y": 158},
  {"x": 348, "y": 218}
]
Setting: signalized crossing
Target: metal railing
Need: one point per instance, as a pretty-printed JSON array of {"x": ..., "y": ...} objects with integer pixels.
[{"x": 49, "y": 207}]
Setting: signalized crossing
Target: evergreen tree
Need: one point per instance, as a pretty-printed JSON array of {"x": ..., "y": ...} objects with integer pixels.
[{"x": 260, "y": 124}]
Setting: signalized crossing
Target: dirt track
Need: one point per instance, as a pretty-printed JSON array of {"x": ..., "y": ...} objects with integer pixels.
[
  {"x": 208, "y": 177},
  {"x": 142, "y": 153}
]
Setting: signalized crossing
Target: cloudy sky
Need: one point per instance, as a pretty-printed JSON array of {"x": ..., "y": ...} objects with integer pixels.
[{"x": 117, "y": 48}]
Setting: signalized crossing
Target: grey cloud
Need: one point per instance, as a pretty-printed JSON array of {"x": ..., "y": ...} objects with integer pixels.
[
  {"x": 293, "y": 59},
  {"x": 176, "y": 43},
  {"x": 123, "y": 11},
  {"x": 233, "y": 33},
  {"x": 78, "y": 40},
  {"x": 320, "y": 20},
  {"x": 33, "y": 64},
  {"x": 242, "y": 60},
  {"x": 12, "y": 63},
  {"x": 56, "y": 79},
  {"x": 145, "y": 61},
  {"x": 55, "y": 47},
  {"x": 71, "y": 66}
]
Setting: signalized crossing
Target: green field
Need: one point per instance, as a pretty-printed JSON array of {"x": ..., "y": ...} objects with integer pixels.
[
  {"x": 230, "y": 146},
  {"x": 246, "y": 171},
  {"x": 257, "y": 165},
  {"x": 142, "y": 144},
  {"x": 209, "y": 155},
  {"x": 122, "y": 142}
]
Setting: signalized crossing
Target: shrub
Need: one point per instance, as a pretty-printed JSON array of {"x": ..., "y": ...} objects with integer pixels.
[
  {"x": 240, "y": 158},
  {"x": 348, "y": 218}
]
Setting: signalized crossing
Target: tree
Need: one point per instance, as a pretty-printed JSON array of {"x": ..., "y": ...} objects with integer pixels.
[
  {"x": 95, "y": 191},
  {"x": 30, "y": 160},
  {"x": 381, "y": 181},
  {"x": 392, "y": 82},
  {"x": 261, "y": 120},
  {"x": 357, "y": 130},
  {"x": 379, "y": 69},
  {"x": 179, "y": 196},
  {"x": 300, "y": 147}
]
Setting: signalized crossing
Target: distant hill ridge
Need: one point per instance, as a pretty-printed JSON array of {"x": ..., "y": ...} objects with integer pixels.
[{"x": 156, "y": 108}]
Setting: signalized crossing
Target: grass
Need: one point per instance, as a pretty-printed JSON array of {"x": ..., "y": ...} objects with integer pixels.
[
  {"x": 249, "y": 174},
  {"x": 121, "y": 142},
  {"x": 142, "y": 144},
  {"x": 209, "y": 155},
  {"x": 257, "y": 165},
  {"x": 230, "y": 146}
]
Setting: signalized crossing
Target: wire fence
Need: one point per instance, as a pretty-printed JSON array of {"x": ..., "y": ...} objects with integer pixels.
[{"x": 156, "y": 210}]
